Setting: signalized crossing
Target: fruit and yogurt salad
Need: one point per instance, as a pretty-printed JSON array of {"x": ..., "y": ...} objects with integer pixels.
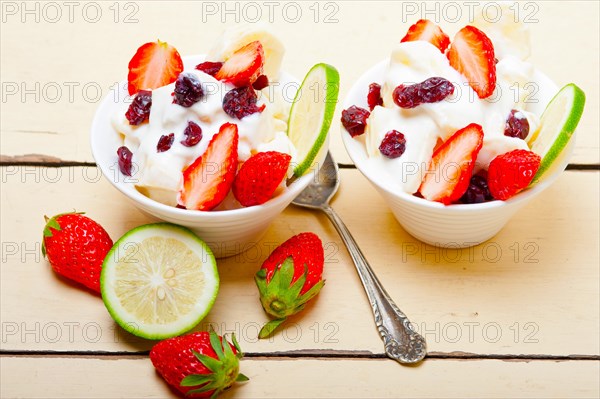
[
  {"x": 187, "y": 132},
  {"x": 452, "y": 121}
]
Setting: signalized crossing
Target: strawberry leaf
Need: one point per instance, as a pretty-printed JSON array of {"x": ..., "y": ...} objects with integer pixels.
[
  {"x": 208, "y": 362},
  {"x": 241, "y": 378},
  {"x": 195, "y": 379},
  {"x": 216, "y": 344},
  {"x": 270, "y": 327},
  {"x": 285, "y": 274},
  {"x": 240, "y": 354},
  {"x": 227, "y": 349},
  {"x": 261, "y": 280},
  {"x": 314, "y": 290},
  {"x": 205, "y": 388},
  {"x": 51, "y": 223},
  {"x": 294, "y": 289}
]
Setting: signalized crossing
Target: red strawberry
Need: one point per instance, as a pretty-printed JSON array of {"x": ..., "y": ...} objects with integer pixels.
[
  {"x": 259, "y": 177},
  {"x": 472, "y": 54},
  {"x": 512, "y": 172},
  {"x": 244, "y": 66},
  {"x": 75, "y": 246},
  {"x": 154, "y": 65},
  {"x": 207, "y": 181},
  {"x": 289, "y": 278},
  {"x": 199, "y": 365},
  {"x": 449, "y": 172},
  {"x": 426, "y": 30}
]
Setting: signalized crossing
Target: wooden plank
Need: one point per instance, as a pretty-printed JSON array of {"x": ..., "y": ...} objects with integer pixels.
[
  {"x": 303, "y": 378},
  {"x": 49, "y": 110},
  {"x": 492, "y": 299}
]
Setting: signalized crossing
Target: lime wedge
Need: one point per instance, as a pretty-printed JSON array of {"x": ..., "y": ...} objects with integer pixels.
[
  {"x": 311, "y": 114},
  {"x": 557, "y": 124},
  {"x": 159, "y": 280}
]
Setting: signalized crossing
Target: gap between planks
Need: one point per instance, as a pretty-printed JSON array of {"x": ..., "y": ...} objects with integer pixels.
[
  {"x": 312, "y": 354},
  {"x": 53, "y": 162}
]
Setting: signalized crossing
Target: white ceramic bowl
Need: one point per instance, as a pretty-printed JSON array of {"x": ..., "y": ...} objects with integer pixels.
[
  {"x": 456, "y": 226},
  {"x": 226, "y": 232}
]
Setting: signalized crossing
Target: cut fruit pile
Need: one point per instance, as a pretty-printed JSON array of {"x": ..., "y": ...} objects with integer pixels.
[
  {"x": 242, "y": 70},
  {"x": 450, "y": 176},
  {"x": 159, "y": 281}
]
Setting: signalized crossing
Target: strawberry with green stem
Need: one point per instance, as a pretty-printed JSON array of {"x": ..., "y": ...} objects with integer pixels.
[
  {"x": 289, "y": 278},
  {"x": 198, "y": 365},
  {"x": 75, "y": 246}
]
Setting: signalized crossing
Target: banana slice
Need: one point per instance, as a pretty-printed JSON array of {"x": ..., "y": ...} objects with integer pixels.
[
  {"x": 236, "y": 37},
  {"x": 509, "y": 37}
]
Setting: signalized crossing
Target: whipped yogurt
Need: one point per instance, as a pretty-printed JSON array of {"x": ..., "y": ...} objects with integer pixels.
[
  {"x": 159, "y": 175},
  {"x": 426, "y": 126}
]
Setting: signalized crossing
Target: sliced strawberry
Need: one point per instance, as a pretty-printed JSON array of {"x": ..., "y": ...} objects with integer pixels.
[
  {"x": 472, "y": 54},
  {"x": 427, "y": 31},
  {"x": 154, "y": 65},
  {"x": 510, "y": 173},
  {"x": 259, "y": 177},
  {"x": 207, "y": 181},
  {"x": 449, "y": 172},
  {"x": 244, "y": 66}
]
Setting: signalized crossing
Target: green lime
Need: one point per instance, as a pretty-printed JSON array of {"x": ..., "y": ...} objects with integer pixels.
[
  {"x": 557, "y": 124},
  {"x": 159, "y": 280},
  {"x": 311, "y": 114}
]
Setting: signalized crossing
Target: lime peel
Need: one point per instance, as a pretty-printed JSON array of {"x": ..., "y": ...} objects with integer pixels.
[
  {"x": 311, "y": 114},
  {"x": 557, "y": 125}
]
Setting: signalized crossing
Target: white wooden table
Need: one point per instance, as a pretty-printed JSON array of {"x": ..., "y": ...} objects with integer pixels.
[{"x": 514, "y": 317}]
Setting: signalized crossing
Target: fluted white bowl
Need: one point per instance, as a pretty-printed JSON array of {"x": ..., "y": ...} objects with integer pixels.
[
  {"x": 227, "y": 232},
  {"x": 456, "y": 226}
]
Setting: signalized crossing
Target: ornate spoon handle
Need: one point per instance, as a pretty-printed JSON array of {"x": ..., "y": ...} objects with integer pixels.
[{"x": 402, "y": 343}]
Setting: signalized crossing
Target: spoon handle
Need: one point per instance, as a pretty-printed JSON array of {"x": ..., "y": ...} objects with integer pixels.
[{"x": 402, "y": 343}]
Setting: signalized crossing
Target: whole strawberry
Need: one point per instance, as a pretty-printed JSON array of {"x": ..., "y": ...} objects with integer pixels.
[
  {"x": 510, "y": 173},
  {"x": 289, "y": 278},
  {"x": 199, "y": 365},
  {"x": 76, "y": 246},
  {"x": 259, "y": 177}
]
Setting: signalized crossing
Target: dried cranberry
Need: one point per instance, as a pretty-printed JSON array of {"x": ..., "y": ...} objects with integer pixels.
[
  {"x": 125, "y": 156},
  {"x": 517, "y": 125},
  {"x": 139, "y": 110},
  {"x": 354, "y": 120},
  {"x": 188, "y": 90},
  {"x": 432, "y": 90},
  {"x": 477, "y": 191},
  {"x": 210, "y": 68},
  {"x": 241, "y": 102},
  {"x": 261, "y": 82},
  {"x": 193, "y": 134},
  {"x": 393, "y": 144},
  {"x": 374, "y": 97},
  {"x": 165, "y": 142}
]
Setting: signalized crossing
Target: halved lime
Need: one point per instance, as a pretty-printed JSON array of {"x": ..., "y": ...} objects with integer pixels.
[
  {"x": 311, "y": 114},
  {"x": 159, "y": 280},
  {"x": 557, "y": 124}
]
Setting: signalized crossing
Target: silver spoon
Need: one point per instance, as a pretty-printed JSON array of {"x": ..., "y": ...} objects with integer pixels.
[{"x": 402, "y": 343}]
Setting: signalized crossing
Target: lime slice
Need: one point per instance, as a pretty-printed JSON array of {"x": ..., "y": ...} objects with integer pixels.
[
  {"x": 159, "y": 280},
  {"x": 311, "y": 114},
  {"x": 557, "y": 124}
]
